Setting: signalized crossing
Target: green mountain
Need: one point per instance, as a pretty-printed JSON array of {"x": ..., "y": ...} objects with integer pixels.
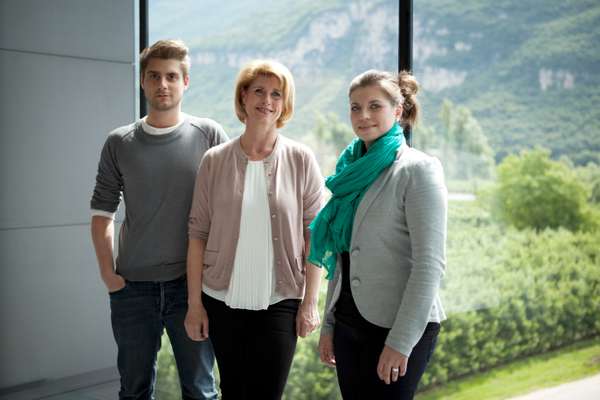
[
  {"x": 324, "y": 44},
  {"x": 528, "y": 70}
]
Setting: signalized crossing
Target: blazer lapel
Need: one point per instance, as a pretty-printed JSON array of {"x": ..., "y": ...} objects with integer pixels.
[{"x": 371, "y": 195}]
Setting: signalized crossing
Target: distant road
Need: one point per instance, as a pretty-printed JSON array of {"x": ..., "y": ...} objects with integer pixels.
[
  {"x": 461, "y": 197},
  {"x": 584, "y": 389}
]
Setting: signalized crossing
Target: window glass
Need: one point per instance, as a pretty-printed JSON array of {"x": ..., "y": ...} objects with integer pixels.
[
  {"x": 324, "y": 44},
  {"x": 509, "y": 95},
  {"x": 508, "y": 98}
]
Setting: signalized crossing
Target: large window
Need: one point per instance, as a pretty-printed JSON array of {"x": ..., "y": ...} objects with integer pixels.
[
  {"x": 509, "y": 95},
  {"x": 324, "y": 44}
]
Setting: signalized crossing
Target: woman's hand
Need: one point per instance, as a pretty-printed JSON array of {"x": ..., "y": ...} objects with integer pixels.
[
  {"x": 196, "y": 322},
  {"x": 392, "y": 365},
  {"x": 326, "y": 350},
  {"x": 307, "y": 319}
]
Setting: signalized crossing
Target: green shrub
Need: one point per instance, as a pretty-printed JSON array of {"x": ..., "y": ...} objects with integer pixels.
[
  {"x": 519, "y": 293},
  {"x": 508, "y": 293},
  {"x": 536, "y": 192},
  {"x": 595, "y": 196}
]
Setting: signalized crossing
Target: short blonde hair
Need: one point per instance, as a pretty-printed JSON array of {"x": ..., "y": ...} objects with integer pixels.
[
  {"x": 251, "y": 71},
  {"x": 401, "y": 89},
  {"x": 166, "y": 50}
]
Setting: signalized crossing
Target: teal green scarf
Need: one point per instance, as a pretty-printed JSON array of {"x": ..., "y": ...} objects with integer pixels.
[{"x": 355, "y": 171}]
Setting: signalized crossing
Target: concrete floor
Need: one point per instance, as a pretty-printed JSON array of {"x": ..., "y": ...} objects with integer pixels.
[{"x": 97, "y": 385}]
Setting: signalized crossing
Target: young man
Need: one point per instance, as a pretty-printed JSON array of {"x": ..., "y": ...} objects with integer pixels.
[{"x": 152, "y": 164}]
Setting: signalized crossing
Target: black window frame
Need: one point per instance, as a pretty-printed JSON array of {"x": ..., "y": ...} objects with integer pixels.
[{"x": 144, "y": 37}]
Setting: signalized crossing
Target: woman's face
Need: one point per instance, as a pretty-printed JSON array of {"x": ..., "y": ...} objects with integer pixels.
[
  {"x": 263, "y": 100},
  {"x": 372, "y": 113}
]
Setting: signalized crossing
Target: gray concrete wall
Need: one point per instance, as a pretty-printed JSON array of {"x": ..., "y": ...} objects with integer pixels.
[{"x": 67, "y": 77}]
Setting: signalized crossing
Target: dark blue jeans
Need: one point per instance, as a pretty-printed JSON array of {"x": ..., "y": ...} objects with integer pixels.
[
  {"x": 357, "y": 344},
  {"x": 139, "y": 314}
]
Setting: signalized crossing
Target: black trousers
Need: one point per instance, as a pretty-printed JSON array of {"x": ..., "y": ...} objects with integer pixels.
[
  {"x": 357, "y": 345},
  {"x": 254, "y": 349}
]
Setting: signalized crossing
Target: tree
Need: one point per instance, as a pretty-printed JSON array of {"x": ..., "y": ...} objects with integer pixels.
[
  {"x": 590, "y": 175},
  {"x": 465, "y": 149},
  {"x": 536, "y": 192},
  {"x": 424, "y": 137},
  {"x": 595, "y": 197},
  {"x": 333, "y": 132},
  {"x": 327, "y": 139}
]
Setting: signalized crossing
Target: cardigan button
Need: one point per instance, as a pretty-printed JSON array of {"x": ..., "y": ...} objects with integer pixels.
[{"x": 355, "y": 282}]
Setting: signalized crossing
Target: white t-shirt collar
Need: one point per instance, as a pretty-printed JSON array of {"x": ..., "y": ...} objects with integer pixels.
[{"x": 151, "y": 130}]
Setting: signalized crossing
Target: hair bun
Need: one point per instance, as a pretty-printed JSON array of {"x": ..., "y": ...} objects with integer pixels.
[
  {"x": 408, "y": 84},
  {"x": 409, "y": 87}
]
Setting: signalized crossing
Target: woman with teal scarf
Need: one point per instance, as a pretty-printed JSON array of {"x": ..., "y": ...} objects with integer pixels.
[{"x": 381, "y": 239}]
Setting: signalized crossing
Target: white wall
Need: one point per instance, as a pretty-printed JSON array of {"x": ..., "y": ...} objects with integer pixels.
[{"x": 67, "y": 77}]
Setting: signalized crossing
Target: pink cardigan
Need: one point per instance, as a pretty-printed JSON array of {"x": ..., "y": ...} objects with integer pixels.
[{"x": 295, "y": 191}]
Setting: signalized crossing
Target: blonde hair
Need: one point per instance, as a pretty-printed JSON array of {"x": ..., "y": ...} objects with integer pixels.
[
  {"x": 401, "y": 89},
  {"x": 251, "y": 71},
  {"x": 166, "y": 50}
]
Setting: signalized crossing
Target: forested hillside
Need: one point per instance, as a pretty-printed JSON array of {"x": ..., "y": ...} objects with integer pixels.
[
  {"x": 324, "y": 43},
  {"x": 528, "y": 70}
]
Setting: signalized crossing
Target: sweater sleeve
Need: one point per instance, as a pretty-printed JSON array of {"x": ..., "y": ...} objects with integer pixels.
[
  {"x": 199, "y": 221},
  {"x": 109, "y": 180},
  {"x": 212, "y": 130},
  {"x": 220, "y": 135},
  {"x": 313, "y": 196},
  {"x": 426, "y": 214}
]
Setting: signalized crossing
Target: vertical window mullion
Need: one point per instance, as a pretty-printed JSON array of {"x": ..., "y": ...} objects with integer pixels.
[
  {"x": 144, "y": 35},
  {"x": 405, "y": 44}
]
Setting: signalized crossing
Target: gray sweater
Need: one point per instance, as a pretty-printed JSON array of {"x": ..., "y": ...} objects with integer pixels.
[
  {"x": 154, "y": 174},
  {"x": 398, "y": 251}
]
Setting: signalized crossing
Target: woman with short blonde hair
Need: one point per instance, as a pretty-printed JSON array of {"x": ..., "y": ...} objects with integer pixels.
[
  {"x": 247, "y": 271},
  {"x": 256, "y": 68}
]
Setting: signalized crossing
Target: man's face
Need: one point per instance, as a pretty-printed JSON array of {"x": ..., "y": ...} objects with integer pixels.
[{"x": 163, "y": 83}]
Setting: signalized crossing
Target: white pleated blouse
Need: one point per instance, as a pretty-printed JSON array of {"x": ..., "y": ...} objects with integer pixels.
[{"x": 252, "y": 285}]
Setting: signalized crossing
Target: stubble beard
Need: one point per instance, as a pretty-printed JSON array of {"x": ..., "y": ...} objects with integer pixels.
[{"x": 157, "y": 105}]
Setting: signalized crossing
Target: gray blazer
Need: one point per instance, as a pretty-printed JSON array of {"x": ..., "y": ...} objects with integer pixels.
[{"x": 398, "y": 251}]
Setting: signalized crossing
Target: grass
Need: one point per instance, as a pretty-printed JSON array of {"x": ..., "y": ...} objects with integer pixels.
[{"x": 550, "y": 369}]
